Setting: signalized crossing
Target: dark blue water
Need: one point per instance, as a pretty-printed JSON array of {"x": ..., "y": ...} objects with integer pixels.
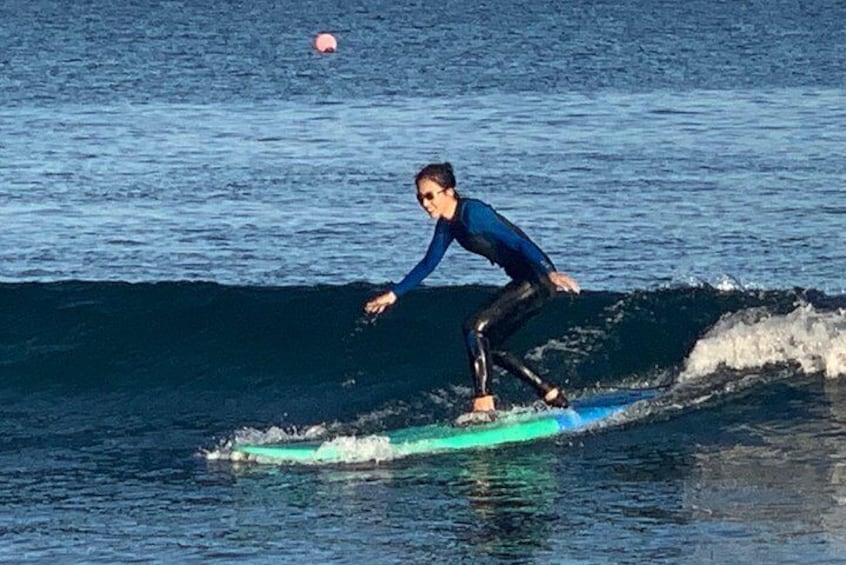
[{"x": 194, "y": 205}]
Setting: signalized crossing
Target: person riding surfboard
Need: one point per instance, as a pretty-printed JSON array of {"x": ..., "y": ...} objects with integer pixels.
[{"x": 479, "y": 229}]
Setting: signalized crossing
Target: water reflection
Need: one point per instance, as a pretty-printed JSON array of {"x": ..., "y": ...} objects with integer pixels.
[
  {"x": 482, "y": 505},
  {"x": 512, "y": 494}
]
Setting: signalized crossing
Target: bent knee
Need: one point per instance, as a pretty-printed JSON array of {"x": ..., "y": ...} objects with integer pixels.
[{"x": 475, "y": 325}]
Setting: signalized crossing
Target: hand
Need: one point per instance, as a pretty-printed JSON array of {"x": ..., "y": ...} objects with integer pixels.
[
  {"x": 564, "y": 282},
  {"x": 380, "y": 303}
]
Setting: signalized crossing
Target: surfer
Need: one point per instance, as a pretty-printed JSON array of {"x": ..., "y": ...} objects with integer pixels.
[{"x": 480, "y": 229}]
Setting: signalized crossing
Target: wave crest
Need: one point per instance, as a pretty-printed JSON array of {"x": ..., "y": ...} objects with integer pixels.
[{"x": 812, "y": 339}]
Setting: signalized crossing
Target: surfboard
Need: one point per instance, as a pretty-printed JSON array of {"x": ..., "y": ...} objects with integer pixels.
[{"x": 519, "y": 425}]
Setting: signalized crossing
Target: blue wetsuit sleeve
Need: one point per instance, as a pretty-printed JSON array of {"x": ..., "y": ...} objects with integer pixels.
[
  {"x": 510, "y": 236},
  {"x": 437, "y": 247}
]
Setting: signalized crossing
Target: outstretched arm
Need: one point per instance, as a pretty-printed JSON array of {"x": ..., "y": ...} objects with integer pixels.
[{"x": 438, "y": 246}]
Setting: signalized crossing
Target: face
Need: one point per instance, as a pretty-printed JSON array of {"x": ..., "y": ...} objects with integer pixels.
[{"x": 435, "y": 199}]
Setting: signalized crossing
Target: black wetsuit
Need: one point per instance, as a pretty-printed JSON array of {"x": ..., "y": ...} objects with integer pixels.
[{"x": 479, "y": 228}]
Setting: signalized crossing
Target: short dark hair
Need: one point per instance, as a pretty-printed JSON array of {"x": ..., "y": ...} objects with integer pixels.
[{"x": 440, "y": 173}]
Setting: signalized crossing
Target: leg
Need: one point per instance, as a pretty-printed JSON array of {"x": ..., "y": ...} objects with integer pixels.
[
  {"x": 514, "y": 366},
  {"x": 551, "y": 394},
  {"x": 478, "y": 352},
  {"x": 514, "y": 305},
  {"x": 485, "y": 323}
]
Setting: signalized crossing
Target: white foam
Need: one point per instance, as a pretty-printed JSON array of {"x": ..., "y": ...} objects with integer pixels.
[
  {"x": 350, "y": 449},
  {"x": 253, "y": 436},
  {"x": 729, "y": 284},
  {"x": 814, "y": 340}
]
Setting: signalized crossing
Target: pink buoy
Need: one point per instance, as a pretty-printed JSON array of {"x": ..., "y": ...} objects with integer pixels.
[{"x": 325, "y": 43}]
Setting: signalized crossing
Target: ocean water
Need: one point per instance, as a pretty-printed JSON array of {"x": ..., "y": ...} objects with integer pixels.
[{"x": 194, "y": 205}]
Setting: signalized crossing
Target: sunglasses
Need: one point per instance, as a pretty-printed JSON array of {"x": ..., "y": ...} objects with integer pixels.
[{"x": 429, "y": 196}]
